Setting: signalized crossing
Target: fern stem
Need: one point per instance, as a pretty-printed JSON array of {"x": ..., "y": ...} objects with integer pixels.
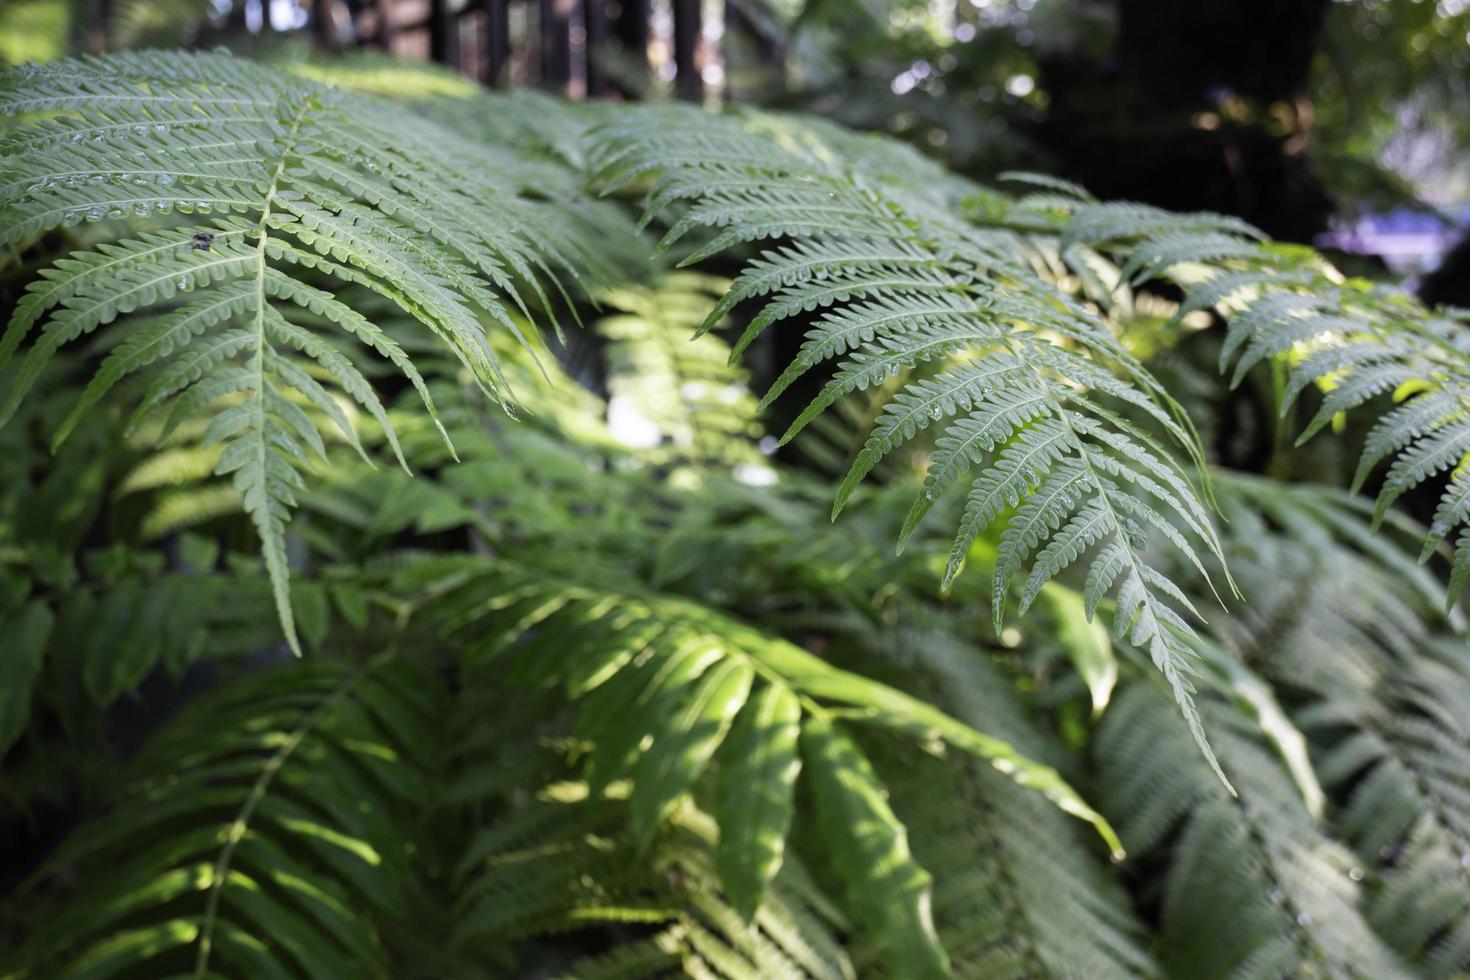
[
  {"x": 275, "y": 562},
  {"x": 241, "y": 823},
  {"x": 262, "y": 784}
]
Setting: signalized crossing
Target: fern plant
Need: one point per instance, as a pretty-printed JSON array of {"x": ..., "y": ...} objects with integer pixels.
[
  {"x": 270, "y": 835},
  {"x": 1028, "y": 391},
  {"x": 670, "y": 686},
  {"x": 580, "y": 707}
]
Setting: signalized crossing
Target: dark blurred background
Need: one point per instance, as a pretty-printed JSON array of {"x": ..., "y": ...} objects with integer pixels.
[
  {"x": 1341, "y": 123},
  {"x": 1336, "y": 123}
]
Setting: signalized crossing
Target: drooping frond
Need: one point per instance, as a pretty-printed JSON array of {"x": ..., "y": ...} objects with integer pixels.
[
  {"x": 306, "y": 187},
  {"x": 668, "y": 686},
  {"x": 1027, "y": 385},
  {"x": 263, "y": 833},
  {"x": 1350, "y": 339},
  {"x": 1252, "y": 887}
]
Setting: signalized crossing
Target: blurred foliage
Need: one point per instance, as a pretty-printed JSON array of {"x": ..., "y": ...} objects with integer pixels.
[
  {"x": 34, "y": 30},
  {"x": 1389, "y": 90}
]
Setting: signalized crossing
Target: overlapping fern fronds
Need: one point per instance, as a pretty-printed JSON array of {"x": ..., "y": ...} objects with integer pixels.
[
  {"x": 1402, "y": 767},
  {"x": 543, "y": 858},
  {"x": 1018, "y": 892},
  {"x": 306, "y": 186},
  {"x": 1381, "y": 687},
  {"x": 266, "y": 832},
  {"x": 669, "y": 686},
  {"x": 1032, "y": 388},
  {"x": 1252, "y": 888},
  {"x": 1351, "y": 339}
]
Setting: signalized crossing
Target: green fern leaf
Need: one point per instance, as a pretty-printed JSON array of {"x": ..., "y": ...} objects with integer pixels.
[
  {"x": 309, "y": 183},
  {"x": 890, "y": 890},
  {"x": 1025, "y": 376},
  {"x": 284, "y": 822},
  {"x": 755, "y": 801},
  {"x": 663, "y": 679}
]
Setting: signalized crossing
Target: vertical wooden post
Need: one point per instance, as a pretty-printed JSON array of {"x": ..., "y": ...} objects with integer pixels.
[
  {"x": 323, "y": 24},
  {"x": 497, "y": 41},
  {"x": 630, "y": 27},
  {"x": 441, "y": 37},
  {"x": 385, "y": 24},
  {"x": 687, "y": 83},
  {"x": 556, "y": 44},
  {"x": 594, "y": 22},
  {"x": 101, "y": 24}
]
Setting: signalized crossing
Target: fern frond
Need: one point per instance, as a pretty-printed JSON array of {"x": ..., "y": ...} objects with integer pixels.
[
  {"x": 543, "y": 857},
  {"x": 263, "y": 833},
  {"x": 665, "y": 679},
  {"x": 1017, "y": 892},
  {"x": 1404, "y": 772},
  {"x": 1029, "y": 387},
  {"x": 1291, "y": 893},
  {"x": 1350, "y": 340},
  {"x": 312, "y": 186},
  {"x": 1376, "y": 686}
]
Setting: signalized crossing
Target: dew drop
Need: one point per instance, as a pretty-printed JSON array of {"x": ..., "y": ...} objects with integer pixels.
[
  {"x": 96, "y": 214},
  {"x": 1303, "y": 919},
  {"x": 165, "y": 178},
  {"x": 1356, "y": 874}
]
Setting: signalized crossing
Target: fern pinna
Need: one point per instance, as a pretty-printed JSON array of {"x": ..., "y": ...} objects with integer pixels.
[
  {"x": 304, "y": 186},
  {"x": 1033, "y": 387}
]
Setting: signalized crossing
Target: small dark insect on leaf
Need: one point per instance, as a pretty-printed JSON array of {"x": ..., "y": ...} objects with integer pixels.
[{"x": 202, "y": 241}]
